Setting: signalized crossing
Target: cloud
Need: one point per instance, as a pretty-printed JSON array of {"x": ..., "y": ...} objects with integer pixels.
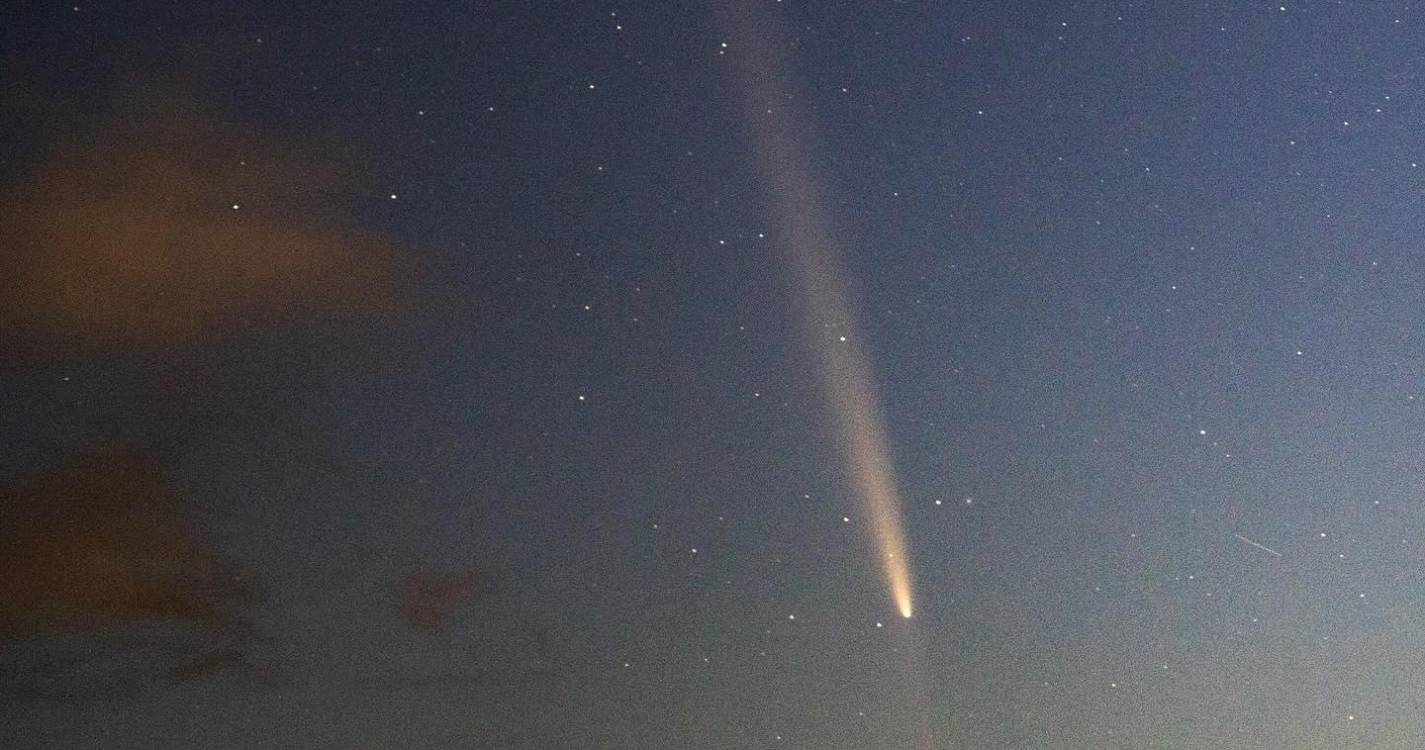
[
  {"x": 427, "y": 599},
  {"x": 125, "y": 234},
  {"x": 107, "y": 538},
  {"x": 109, "y": 583}
]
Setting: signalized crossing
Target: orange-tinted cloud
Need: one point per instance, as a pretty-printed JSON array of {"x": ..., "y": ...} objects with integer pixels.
[
  {"x": 427, "y": 599},
  {"x": 105, "y": 539},
  {"x": 127, "y": 235}
]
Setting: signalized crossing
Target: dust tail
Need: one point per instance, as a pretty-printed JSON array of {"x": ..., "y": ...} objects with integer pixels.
[{"x": 811, "y": 247}]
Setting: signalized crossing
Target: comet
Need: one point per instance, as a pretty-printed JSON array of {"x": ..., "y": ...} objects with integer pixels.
[{"x": 808, "y": 239}]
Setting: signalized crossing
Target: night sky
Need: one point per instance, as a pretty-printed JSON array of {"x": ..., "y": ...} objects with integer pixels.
[{"x": 547, "y": 375}]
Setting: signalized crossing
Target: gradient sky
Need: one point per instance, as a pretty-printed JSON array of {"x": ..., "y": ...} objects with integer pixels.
[{"x": 382, "y": 299}]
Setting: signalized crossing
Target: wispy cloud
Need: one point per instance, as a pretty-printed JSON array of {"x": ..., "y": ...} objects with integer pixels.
[{"x": 165, "y": 223}]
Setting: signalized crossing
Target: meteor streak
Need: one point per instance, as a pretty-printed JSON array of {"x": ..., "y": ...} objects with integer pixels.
[
  {"x": 1261, "y": 547},
  {"x": 808, "y": 239}
]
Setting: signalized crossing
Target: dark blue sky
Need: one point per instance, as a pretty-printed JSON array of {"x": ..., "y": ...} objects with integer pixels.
[{"x": 396, "y": 290}]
